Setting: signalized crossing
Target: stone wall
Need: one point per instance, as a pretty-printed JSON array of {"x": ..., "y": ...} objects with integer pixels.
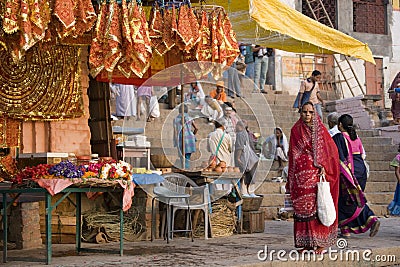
[{"x": 354, "y": 107}]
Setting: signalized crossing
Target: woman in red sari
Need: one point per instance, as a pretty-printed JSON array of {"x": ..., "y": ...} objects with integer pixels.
[{"x": 312, "y": 152}]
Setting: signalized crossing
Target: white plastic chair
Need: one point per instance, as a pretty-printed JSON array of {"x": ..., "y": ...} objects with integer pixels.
[{"x": 180, "y": 192}]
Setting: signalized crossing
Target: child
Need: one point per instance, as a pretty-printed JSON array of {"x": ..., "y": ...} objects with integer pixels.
[{"x": 394, "y": 206}]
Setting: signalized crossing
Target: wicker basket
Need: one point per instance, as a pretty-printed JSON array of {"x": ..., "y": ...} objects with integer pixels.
[
  {"x": 160, "y": 161},
  {"x": 252, "y": 203}
]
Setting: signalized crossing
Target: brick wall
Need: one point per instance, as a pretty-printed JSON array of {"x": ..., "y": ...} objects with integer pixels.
[
  {"x": 61, "y": 136},
  {"x": 24, "y": 225}
]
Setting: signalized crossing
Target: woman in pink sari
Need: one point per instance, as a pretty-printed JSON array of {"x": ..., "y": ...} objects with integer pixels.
[
  {"x": 355, "y": 216},
  {"x": 312, "y": 152}
]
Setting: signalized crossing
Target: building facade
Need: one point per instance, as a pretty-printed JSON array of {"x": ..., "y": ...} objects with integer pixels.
[{"x": 375, "y": 22}]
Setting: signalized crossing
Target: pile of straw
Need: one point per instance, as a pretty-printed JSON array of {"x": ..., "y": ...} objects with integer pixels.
[
  {"x": 223, "y": 220},
  {"x": 102, "y": 227}
]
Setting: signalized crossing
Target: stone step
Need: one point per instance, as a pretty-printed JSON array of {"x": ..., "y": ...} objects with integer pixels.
[
  {"x": 271, "y": 212},
  {"x": 381, "y": 176},
  {"x": 379, "y": 198},
  {"x": 272, "y": 200},
  {"x": 388, "y": 156},
  {"x": 377, "y": 140},
  {"x": 269, "y": 188},
  {"x": 379, "y": 210},
  {"x": 272, "y": 174},
  {"x": 380, "y": 148},
  {"x": 368, "y": 133},
  {"x": 372, "y": 187},
  {"x": 379, "y": 165}
]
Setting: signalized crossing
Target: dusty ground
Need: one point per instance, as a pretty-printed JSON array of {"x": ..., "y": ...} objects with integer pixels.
[{"x": 237, "y": 250}]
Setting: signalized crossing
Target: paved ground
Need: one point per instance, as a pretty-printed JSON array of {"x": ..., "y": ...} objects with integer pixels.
[{"x": 237, "y": 250}]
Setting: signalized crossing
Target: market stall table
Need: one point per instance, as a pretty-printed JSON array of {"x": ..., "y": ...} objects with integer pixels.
[
  {"x": 227, "y": 178},
  {"x": 7, "y": 202}
]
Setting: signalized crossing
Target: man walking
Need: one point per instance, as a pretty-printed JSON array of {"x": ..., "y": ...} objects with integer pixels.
[
  {"x": 261, "y": 55},
  {"x": 311, "y": 85}
]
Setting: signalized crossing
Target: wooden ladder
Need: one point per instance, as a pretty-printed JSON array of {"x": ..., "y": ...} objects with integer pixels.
[{"x": 347, "y": 71}]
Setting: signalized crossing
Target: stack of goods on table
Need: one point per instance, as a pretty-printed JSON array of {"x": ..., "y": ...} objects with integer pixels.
[{"x": 102, "y": 172}]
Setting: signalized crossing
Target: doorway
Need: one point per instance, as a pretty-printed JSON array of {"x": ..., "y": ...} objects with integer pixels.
[{"x": 374, "y": 80}]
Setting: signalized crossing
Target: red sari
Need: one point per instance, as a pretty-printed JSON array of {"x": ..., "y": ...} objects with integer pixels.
[{"x": 309, "y": 148}]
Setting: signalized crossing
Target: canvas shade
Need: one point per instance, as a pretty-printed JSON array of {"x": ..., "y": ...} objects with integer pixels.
[{"x": 274, "y": 24}]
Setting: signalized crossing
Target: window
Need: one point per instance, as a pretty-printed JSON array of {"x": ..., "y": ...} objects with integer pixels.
[
  {"x": 369, "y": 16},
  {"x": 318, "y": 9}
]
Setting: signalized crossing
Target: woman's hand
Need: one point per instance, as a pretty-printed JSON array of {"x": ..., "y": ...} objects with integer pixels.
[{"x": 322, "y": 171}]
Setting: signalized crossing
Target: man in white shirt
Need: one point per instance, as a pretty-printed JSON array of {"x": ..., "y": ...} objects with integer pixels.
[
  {"x": 225, "y": 149},
  {"x": 333, "y": 118}
]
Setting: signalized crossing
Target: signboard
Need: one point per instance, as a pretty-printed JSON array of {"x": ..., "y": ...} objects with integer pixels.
[{"x": 292, "y": 67}]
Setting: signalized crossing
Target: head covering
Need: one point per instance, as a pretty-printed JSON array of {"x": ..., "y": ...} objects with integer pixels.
[
  {"x": 395, "y": 81},
  {"x": 220, "y": 83}
]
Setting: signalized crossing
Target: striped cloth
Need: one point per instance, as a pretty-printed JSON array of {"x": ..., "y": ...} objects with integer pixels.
[{"x": 190, "y": 138}]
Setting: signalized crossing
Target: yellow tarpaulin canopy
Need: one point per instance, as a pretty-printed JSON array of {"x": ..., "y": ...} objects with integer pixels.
[{"x": 282, "y": 27}]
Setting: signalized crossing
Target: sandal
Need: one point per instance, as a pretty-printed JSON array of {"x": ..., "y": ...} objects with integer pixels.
[
  {"x": 345, "y": 236},
  {"x": 304, "y": 250},
  {"x": 320, "y": 251},
  {"x": 374, "y": 229}
]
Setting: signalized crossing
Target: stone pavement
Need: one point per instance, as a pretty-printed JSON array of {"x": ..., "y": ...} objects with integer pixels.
[{"x": 237, "y": 250}]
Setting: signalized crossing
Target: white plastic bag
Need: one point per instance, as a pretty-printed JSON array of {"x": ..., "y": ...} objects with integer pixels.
[{"x": 325, "y": 206}]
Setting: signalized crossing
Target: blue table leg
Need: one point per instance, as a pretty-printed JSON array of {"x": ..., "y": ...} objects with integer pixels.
[
  {"x": 48, "y": 228},
  {"x": 239, "y": 209},
  {"x": 78, "y": 222},
  {"x": 5, "y": 227}
]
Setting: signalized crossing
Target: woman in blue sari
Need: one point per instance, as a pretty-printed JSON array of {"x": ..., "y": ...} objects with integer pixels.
[
  {"x": 394, "y": 206},
  {"x": 354, "y": 215},
  {"x": 188, "y": 131}
]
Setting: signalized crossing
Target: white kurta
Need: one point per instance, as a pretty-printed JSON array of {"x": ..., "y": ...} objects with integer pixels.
[{"x": 125, "y": 99}]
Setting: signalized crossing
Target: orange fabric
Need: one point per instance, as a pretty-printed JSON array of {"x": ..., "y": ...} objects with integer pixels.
[{"x": 221, "y": 97}]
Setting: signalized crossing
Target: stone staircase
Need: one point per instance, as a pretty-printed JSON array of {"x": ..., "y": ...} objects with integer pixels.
[{"x": 274, "y": 110}]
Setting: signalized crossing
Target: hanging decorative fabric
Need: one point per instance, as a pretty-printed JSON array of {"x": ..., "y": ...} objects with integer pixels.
[
  {"x": 184, "y": 37},
  {"x": 97, "y": 52},
  {"x": 75, "y": 16},
  {"x": 10, "y": 132},
  {"x": 25, "y": 23},
  {"x": 232, "y": 46},
  {"x": 113, "y": 36},
  {"x": 187, "y": 33},
  {"x": 43, "y": 85},
  {"x": 169, "y": 29},
  {"x": 142, "y": 51},
  {"x": 121, "y": 42},
  {"x": 10, "y": 16},
  {"x": 156, "y": 31},
  {"x": 203, "y": 49}
]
